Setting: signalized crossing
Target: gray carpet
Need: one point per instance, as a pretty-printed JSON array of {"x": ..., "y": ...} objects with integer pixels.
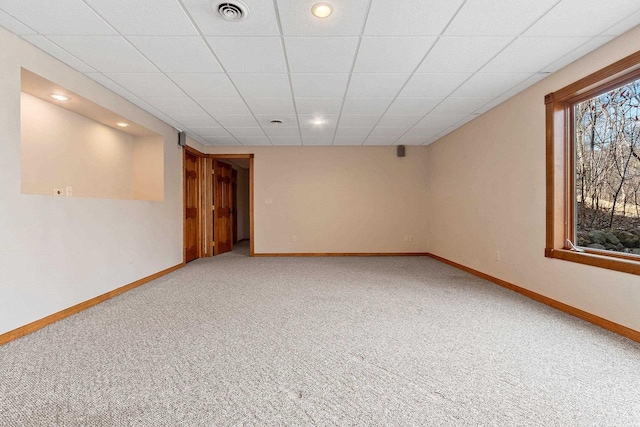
[{"x": 235, "y": 341}]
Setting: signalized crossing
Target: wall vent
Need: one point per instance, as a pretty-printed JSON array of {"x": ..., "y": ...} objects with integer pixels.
[{"x": 233, "y": 11}]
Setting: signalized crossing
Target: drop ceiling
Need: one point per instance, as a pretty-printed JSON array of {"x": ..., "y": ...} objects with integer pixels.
[{"x": 376, "y": 72}]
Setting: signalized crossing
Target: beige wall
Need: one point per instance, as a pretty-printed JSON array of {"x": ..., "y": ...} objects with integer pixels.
[
  {"x": 148, "y": 168},
  {"x": 338, "y": 199},
  {"x": 487, "y": 193},
  {"x": 56, "y": 251}
]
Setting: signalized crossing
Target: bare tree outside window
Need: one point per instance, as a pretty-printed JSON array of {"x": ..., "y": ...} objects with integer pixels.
[{"x": 607, "y": 170}]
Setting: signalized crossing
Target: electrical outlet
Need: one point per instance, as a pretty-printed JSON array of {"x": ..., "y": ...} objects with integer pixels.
[
  {"x": 497, "y": 255},
  {"x": 58, "y": 192},
  {"x": 69, "y": 191}
]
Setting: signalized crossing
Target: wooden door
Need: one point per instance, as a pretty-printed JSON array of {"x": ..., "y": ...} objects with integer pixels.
[
  {"x": 223, "y": 207},
  {"x": 234, "y": 194},
  {"x": 191, "y": 206}
]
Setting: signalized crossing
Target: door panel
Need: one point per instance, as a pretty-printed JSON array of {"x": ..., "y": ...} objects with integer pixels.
[
  {"x": 191, "y": 206},
  {"x": 223, "y": 207}
]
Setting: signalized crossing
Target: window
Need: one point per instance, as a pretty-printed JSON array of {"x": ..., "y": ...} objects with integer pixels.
[{"x": 593, "y": 169}]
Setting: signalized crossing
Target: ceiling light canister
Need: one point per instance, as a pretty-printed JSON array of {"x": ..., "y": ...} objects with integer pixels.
[
  {"x": 59, "y": 97},
  {"x": 322, "y": 10},
  {"x": 122, "y": 124},
  {"x": 317, "y": 122}
]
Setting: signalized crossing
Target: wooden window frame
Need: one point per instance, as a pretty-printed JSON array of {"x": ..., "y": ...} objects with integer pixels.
[{"x": 560, "y": 164}]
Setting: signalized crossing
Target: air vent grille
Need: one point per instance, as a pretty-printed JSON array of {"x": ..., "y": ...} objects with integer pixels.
[{"x": 231, "y": 11}]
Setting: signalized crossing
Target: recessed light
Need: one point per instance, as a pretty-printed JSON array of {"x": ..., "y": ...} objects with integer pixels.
[
  {"x": 276, "y": 122},
  {"x": 122, "y": 124},
  {"x": 59, "y": 97},
  {"x": 317, "y": 122},
  {"x": 322, "y": 10}
]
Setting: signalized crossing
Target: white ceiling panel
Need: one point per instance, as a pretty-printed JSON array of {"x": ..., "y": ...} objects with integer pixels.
[
  {"x": 317, "y": 140},
  {"x": 431, "y": 85},
  {"x": 497, "y": 17},
  {"x": 462, "y": 54},
  {"x": 210, "y": 131},
  {"x": 289, "y": 120},
  {"x": 359, "y": 120},
  {"x": 412, "y": 140},
  {"x": 174, "y": 105},
  {"x": 306, "y": 121},
  {"x": 413, "y": 105},
  {"x": 278, "y": 131},
  {"x": 319, "y": 85},
  {"x": 391, "y": 54},
  {"x": 146, "y": 84},
  {"x": 261, "y": 20},
  {"x": 532, "y": 54},
  {"x": 380, "y": 140},
  {"x": 321, "y": 54},
  {"x": 627, "y": 23},
  {"x": 592, "y": 44},
  {"x": 389, "y": 131},
  {"x": 318, "y": 106},
  {"x": 354, "y": 131},
  {"x": 107, "y": 54},
  {"x": 349, "y": 140},
  {"x": 54, "y": 50},
  {"x": 318, "y": 131},
  {"x": 573, "y": 18},
  {"x": 222, "y": 141},
  {"x": 366, "y": 105},
  {"x": 246, "y": 131},
  {"x": 177, "y": 54},
  {"x": 236, "y": 120},
  {"x": 145, "y": 17},
  {"x": 286, "y": 140},
  {"x": 196, "y": 120},
  {"x": 347, "y": 18},
  {"x": 57, "y": 17},
  {"x": 249, "y": 54},
  {"x": 253, "y": 141},
  {"x": 489, "y": 84},
  {"x": 410, "y": 17},
  {"x": 14, "y": 25},
  {"x": 453, "y": 105},
  {"x": 365, "y": 85},
  {"x": 262, "y": 85},
  {"x": 110, "y": 84},
  {"x": 223, "y": 105},
  {"x": 439, "y": 120},
  {"x": 427, "y": 130},
  {"x": 271, "y": 105},
  {"x": 407, "y": 120},
  {"x": 205, "y": 85}
]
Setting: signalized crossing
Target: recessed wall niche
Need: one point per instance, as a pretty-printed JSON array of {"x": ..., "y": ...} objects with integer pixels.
[{"x": 77, "y": 148}]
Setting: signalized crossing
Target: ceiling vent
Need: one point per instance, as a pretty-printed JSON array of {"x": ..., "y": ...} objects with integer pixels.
[{"x": 233, "y": 11}]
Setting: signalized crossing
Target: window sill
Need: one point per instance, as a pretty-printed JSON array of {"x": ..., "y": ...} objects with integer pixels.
[{"x": 603, "y": 261}]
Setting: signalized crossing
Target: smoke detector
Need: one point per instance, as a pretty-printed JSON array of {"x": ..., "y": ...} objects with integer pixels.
[{"x": 233, "y": 11}]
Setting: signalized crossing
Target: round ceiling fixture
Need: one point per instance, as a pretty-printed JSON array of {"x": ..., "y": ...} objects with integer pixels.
[
  {"x": 322, "y": 10},
  {"x": 233, "y": 11},
  {"x": 59, "y": 97},
  {"x": 317, "y": 122},
  {"x": 276, "y": 122}
]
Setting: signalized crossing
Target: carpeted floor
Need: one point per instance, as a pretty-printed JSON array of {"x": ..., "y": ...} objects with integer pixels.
[{"x": 235, "y": 341}]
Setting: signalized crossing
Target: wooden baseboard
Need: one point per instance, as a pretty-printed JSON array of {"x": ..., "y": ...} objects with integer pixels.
[
  {"x": 38, "y": 324},
  {"x": 632, "y": 334},
  {"x": 340, "y": 254}
]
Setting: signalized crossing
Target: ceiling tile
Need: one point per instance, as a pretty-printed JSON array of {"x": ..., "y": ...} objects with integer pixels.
[
  {"x": 57, "y": 17},
  {"x": 410, "y": 17},
  {"x": 413, "y": 105},
  {"x": 573, "y": 18},
  {"x": 14, "y": 25},
  {"x": 246, "y": 131},
  {"x": 375, "y": 85},
  {"x": 261, "y": 20},
  {"x": 592, "y": 44},
  {"x": 107, "y": 54},
  {"x": 497, "y": 17},
  {"x": 366, "y": 105},
  {"x": 174, "y": 105},
  {"x": 289, "y": 120},
  {"x": 249, "y": 54},
  {"x": 222, "y": 141},
  {"x": 177, "y": 54},
  {"x": 145, "y": 17},
  {"x": 347, "y": 18},
  {"x": 359, "y": 120},
  {"x": 236, "y": 120},
  {"x": 319, "y": 85},
  {"x": 146, "y": 84},
  {"x": 208, "y": 131},
  {"x": 391, "y": 54},
  {"x": 427, "y": 130},
  {"x": 205, "y": 85},
  {"x": 321, "y": 54},
  {"x": 54, "y": 50},
  {"x": 354, "y": 131},
  {"x": 462, "y": 54},
  {"x": 223, "y": 105},
  {"x": 441, "y": 120},
  {"x": 252, "y": 141},
  {"x": 318, "y": 106},
  {"x": 317, "y": 140},
  {"x": 412, "y": 140},
  {"x": 306, "y": 121},
  {"x": 318, "y": 131},
  {"x": 349, "y": 140},
  {"x": 389, "y": 131},
  {"x": 453, "y": 105},
  {"x": 195, "y": 120},
  {"x": 407, "y": 120},
  {"x": 286, "y": 140},
  {"x": 489, "y": 84},
  {"x": 278, "y": 131},
  {"x": 109, "y": 84},
  {"x": 262, "y": 85},
  {"x": 271, "y": 105},
  {"x": 380, "y": 140},
  {"x": 532, "y": 54},
  {"x": 630, "y": 21},
  {"x": 433, "y": 84}
]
